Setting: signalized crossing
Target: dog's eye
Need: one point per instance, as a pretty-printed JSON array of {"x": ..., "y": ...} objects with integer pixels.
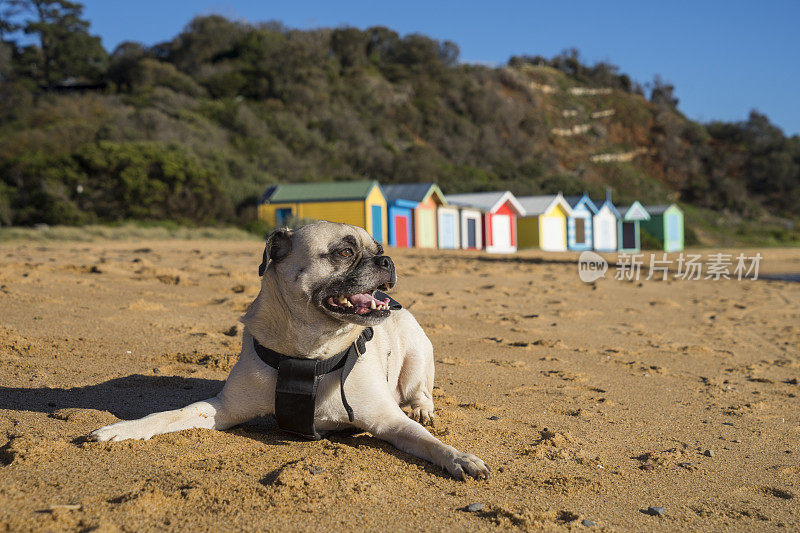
[{"x": 347, "y": 252}]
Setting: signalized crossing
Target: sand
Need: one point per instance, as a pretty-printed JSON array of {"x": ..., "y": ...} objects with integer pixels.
[{"x": 588, "y": 401}]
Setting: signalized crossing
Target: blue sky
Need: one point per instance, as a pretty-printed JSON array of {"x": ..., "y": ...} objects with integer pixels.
[{"x": 724, "y": 57}]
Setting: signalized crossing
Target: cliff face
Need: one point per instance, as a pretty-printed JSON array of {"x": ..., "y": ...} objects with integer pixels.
[{"x": 196, "y": 127}]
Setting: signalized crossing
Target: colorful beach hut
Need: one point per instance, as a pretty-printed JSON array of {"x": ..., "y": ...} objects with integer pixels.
[
  {"x": 426, "y": 199},
  {"x": 629, "y": 236},
  {"x": 579, "y": 224},
  {"x": 400, "y": 220},
  {"x": 604, "y": 227},
  {"x": 448, "y": 227},
  {"x": 471, "y": 224},
  {"x": 666, "y": 224},
  {"x": 499, "y": 212},
  {"x": 360, "y": 203},
  {"x": 544, "y": 223}
]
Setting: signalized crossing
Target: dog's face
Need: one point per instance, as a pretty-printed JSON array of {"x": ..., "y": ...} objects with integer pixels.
[{"x": 331, "y": 270}]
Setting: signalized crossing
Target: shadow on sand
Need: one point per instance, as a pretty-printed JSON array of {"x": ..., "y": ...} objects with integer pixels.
[
  {"x": 137, "y": 395},
  {"x": 127, "y": 397}
]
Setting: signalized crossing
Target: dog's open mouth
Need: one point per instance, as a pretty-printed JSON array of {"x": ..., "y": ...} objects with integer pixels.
[{"x": 358, "y": 304}]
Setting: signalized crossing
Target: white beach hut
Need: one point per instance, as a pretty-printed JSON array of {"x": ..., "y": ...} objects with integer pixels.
[{"x": 604, "y": 227}]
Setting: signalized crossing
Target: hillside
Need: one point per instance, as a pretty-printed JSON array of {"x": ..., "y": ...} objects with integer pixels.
[{"x": 194, "y": 129}]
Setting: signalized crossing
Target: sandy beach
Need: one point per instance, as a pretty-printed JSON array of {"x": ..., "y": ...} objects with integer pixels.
[{"x": 590, "y": 402}]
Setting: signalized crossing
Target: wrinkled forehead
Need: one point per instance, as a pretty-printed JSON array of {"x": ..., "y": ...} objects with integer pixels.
[{"x": 326, "y": 236}]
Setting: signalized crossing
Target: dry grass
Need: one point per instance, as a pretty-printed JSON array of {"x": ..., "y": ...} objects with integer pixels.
[{"x": 121, "y": 232}]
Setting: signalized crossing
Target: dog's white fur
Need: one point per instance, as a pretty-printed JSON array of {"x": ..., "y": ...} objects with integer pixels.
[{"x": 395, "y": 370}]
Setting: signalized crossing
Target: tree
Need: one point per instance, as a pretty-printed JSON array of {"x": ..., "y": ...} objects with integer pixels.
[
  {"x": 662, "y": 93},
  {"x": 5, "y": 61},
  {"x": 123, "y": 64},
  {"x": 9, "y": 10},
  {"x": 350, "y": 46},
  {"x": 203, "y": 40},
  {"x": 66, "y": 49}
]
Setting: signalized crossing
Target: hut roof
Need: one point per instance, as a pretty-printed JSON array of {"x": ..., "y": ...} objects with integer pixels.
[
  {"x": 415, "y": 192},
  {"x": 659, "y": 209},
  {"x": 601, "y": 203},
  {"x": 538, "y": 205},
  {"x": 319, "y": 191},
  {"x": 635, "y": 211},
  {"x": 485, "y": 201},
  {"x": 573, "y": 202}
]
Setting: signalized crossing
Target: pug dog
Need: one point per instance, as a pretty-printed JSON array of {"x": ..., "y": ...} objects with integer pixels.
[{"x": 316, "y": 298}]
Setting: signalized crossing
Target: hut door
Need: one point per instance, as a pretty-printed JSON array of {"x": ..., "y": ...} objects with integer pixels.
[
  {"x": 471, "y": 236},
  {"x": 401, "y": 231},
  {"x": 501, "y": 231},
  {"x": 448, "y": 230},
  {"x": 552, "y": 234},
  {"x": 377, "y": 223},
  {"x": 282, "y": 215},
  {"x": 628, "y": 235},
  {"x": 673, "y": 229},
  {"x": 580, "y": 230}
]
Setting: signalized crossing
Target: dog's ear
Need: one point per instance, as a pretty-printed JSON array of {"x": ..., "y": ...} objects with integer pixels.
[{"x": 279, "y": 244}]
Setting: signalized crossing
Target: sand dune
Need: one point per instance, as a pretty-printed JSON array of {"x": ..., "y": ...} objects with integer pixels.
[{"x": 589, "y": 401}]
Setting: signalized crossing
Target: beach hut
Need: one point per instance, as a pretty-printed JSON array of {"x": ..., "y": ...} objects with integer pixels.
[
  {"x": 499, "y": 212},
  {"x": 666, "y": 224},
  {"x": 424, "y": 199},
  {"x": 400, "y": 220},
  {"x": 360, "y": 203},
  {"x": 604, "y": 227},
  {"x": 470, "y": 221},
  {"x": 629, "y": 237},
  {"x": 448, "y": 227},
  {"x": 544, "y": 224},
  {"x": 579, "y": 224}
]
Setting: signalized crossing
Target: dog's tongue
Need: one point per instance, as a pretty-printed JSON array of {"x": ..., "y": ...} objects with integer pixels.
[
  {"x": 361, "y": 303},
  {"x": 365, "y": 300}
]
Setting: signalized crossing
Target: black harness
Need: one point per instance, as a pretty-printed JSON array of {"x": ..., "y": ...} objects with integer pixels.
[{"x": 298, "y": 379}]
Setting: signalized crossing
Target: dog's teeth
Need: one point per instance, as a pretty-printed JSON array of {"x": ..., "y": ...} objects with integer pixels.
[
  {"x": 347, "y": 303},
  {"x": 372, "y": 305},
  {"x": 341, "y": 299}
]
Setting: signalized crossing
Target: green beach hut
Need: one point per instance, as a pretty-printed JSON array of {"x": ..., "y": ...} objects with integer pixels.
[{"x": 666, "y": 224}]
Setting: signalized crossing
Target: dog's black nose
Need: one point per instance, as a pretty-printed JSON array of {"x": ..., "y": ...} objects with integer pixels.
[{"x": 384, "y": 261}]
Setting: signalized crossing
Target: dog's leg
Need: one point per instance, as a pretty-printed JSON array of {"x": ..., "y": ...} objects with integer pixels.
[
  {"x": 394, "y": 426},
  {"x": 416, "y": 382},
  {"x": 236, "y": 403},
  {"x": 208, "y": 414}
]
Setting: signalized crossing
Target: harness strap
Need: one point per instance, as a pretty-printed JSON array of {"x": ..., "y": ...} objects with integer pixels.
[{"x": 298, "y": 379}]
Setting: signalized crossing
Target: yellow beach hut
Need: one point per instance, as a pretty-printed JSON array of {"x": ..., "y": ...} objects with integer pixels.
[
  {"x": 544, "y": 224},
  {"x": 360, "y": 203}
]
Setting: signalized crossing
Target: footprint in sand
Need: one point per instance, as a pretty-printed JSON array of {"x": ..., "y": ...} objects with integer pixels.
[
  {"x": 783, "y": 494},
  {"x": 507, "y": 363},
  {"x": 452, "y": 361},
  {"x": 144, "y": 305}
]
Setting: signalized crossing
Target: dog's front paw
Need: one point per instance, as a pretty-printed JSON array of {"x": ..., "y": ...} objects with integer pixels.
[
  {"x": 423, "y": 414},
  {"x": 464, "y": 464},
  {"x": 121, "y": 431}
]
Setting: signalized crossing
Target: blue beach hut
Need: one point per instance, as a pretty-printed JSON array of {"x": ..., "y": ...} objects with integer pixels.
[
  {"x": 579, "y": 223},
  {"x": 415, "y": 211}
]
